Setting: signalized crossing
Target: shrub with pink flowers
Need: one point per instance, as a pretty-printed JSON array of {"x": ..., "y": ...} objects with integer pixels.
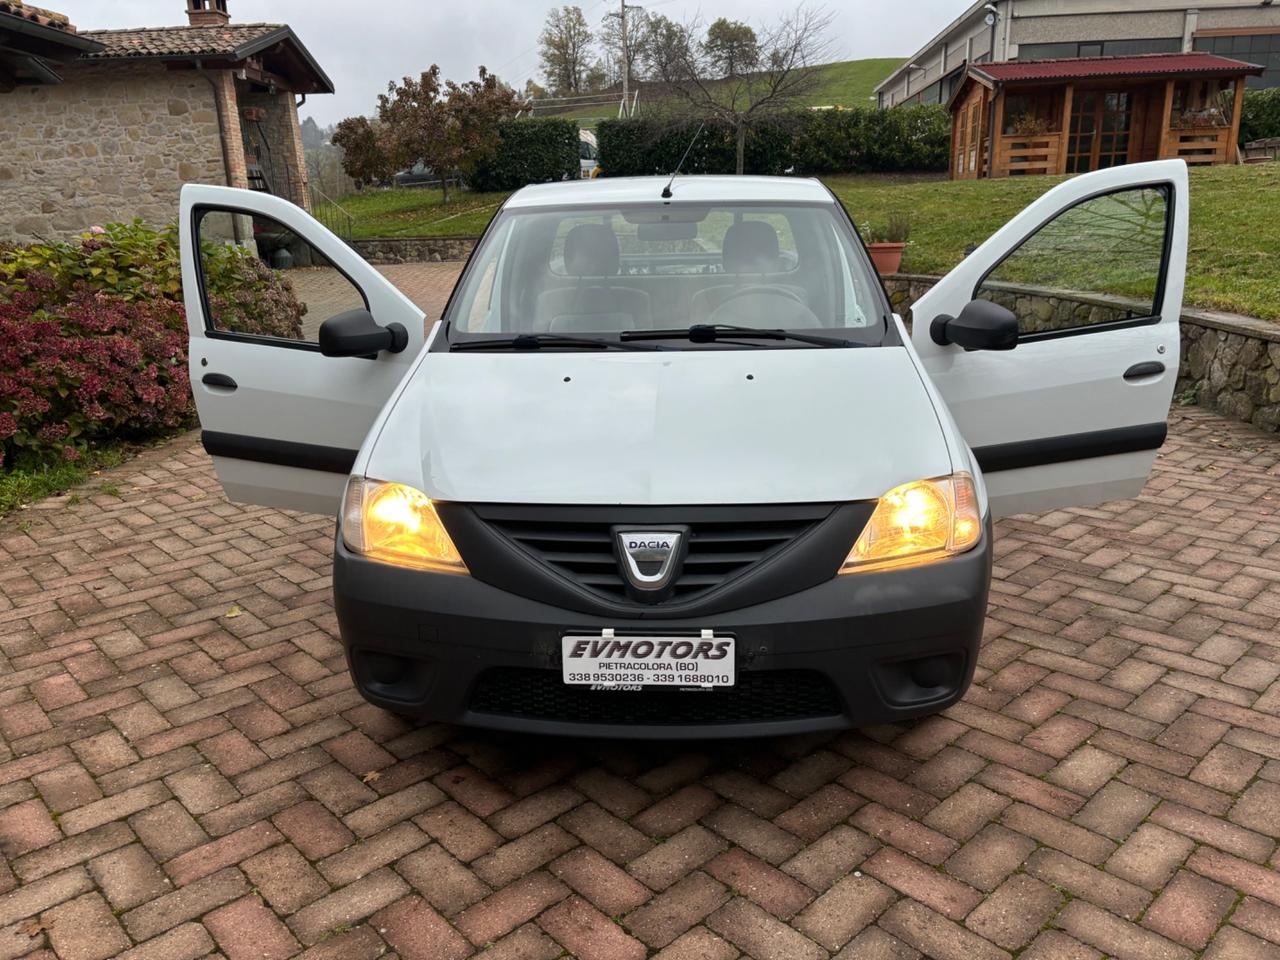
[{"x": 93, "y": 337}]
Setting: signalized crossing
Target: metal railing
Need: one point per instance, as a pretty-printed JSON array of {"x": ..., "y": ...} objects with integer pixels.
[{"x": 331, "y": 213}]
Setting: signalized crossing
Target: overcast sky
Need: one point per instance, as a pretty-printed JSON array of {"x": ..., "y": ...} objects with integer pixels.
[{"x": 362, "y": 45}]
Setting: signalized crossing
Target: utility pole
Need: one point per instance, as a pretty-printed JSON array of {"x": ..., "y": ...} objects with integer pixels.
[
  {"x": 626, "y": 61},
  {"x": 626, "y": 55}
]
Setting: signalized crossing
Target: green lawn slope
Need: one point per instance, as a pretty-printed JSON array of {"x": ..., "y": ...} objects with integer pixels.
[{"x": 1233, "y": 259}]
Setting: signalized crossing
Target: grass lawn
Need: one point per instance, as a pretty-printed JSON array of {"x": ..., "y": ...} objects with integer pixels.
[
  {"x": 851, "y": 83},
  {"x": 22, "y": 486},
  {"x": 418, "y": 212},
  {"x": 1233, "y": 260}
]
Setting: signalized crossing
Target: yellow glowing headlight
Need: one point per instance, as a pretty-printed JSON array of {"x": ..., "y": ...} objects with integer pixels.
[
  {"x": 917, "y": 523},
  {"x": 397, "y": 524}
]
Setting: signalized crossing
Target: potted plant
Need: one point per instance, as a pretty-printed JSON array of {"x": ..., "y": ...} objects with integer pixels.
[
  {"x": 1029, "y": 125},
  {"x": 885, "y": 244}
]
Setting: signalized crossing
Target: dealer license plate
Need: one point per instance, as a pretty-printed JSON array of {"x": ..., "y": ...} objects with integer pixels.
[{"x": 628, "y": 662}]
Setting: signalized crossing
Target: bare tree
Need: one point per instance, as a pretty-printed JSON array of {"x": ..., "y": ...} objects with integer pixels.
[
  {"x": 784, "y": 76},
  {"x": 622, "y": 48},
  {"x": 565, "y": 47}
]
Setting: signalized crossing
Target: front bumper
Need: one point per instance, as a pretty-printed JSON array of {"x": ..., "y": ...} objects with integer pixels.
[{"x": 856, "y": 650}]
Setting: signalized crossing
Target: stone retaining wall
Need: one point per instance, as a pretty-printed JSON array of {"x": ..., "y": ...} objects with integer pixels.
[
  {"x": 386, "y": 250},
  {"x": 1230, "y": 363}
]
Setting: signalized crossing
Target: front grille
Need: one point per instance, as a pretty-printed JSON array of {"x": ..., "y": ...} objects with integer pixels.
[
  {"x": 719, "y": 550},
  {"x": 763, "y": 697}
]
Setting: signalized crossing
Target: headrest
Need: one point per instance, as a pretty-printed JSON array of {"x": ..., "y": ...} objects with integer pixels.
[
  {"x": 751, "y": 247},
  {"x": 591, "y": 250}
]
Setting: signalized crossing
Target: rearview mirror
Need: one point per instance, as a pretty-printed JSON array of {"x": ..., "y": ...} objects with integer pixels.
[
  {"x": 982, "y": 325},
  {"x": 659, "y": 232},
  {"x": 356, "y": 334}
]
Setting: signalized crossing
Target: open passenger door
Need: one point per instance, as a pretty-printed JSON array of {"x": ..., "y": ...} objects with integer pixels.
[
  {"x": 1093, "y": 272},
  {"x": 265, "y": 285}
]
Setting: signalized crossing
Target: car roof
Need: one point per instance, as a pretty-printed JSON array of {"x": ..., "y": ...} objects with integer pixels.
[{"x": 616, "y": 191}]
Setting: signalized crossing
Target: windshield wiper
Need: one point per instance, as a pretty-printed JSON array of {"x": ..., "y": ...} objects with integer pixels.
[
  {"x": 712, "y": 333},
  {"x": 536, "y": 341}
]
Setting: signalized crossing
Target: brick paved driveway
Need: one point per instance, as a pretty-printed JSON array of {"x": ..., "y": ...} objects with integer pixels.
[
  {"x": 185, "y": 769},
  {"x": 326, "y": 292}
]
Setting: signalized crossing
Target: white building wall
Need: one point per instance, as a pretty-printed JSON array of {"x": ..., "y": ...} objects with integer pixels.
[
  {"x": 968, "y": 39},
  {"x": 1132, "y": 26}
]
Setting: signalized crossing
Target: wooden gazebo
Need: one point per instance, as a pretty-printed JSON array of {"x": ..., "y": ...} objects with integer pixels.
[{"x": 1071, "y": 116}]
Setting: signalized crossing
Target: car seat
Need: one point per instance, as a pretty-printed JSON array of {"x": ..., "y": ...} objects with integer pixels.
[
  {"x": 751, "y": 254},
  {"x": 595, "y": 304}
]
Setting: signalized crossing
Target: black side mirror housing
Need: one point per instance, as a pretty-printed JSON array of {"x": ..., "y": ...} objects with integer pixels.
[
  {"x": 982, "y": 325},
  {"x": 356, "y": 334}
]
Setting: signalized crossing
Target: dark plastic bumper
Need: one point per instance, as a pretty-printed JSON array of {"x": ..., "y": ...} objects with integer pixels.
[{"x": 875, "y": 638}]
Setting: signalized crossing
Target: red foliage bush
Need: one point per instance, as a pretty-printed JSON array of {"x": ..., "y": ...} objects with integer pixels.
[
  {"x": 87, "y": 367},
  {"x": 93, "y": 336}
]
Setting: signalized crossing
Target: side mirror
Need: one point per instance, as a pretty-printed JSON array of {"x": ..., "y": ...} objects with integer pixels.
[
  {"x": 982, "y": 325},
  {"x": 356, "y": 334}
]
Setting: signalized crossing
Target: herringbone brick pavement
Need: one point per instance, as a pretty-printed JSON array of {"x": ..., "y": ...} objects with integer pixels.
[
  {"x": 184, "y": 768},
  {"x": 186, "y": 771}
]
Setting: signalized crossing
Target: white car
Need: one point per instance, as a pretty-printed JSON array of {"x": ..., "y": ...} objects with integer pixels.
[
  {"x": 669, "y": 465},
  {"x": 588, "y": 154}
]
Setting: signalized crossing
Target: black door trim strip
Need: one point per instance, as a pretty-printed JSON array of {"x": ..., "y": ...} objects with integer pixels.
[
  {"x": 1075, "y": 446},
  {"x": 284, "y": 453}
]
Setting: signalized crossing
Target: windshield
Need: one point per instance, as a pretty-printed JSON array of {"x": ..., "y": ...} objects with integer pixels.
[{"x": 604, "y": 272}]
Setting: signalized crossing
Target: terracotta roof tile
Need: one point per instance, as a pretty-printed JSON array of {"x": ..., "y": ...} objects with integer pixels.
[
  {"x": 212, "y": 41},
  {"x": 1151, "y": 64},
  {"x": 46, "y": 18}
]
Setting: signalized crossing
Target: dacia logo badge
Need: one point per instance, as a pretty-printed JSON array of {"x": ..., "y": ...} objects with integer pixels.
[{"x": 649, "y": 556}]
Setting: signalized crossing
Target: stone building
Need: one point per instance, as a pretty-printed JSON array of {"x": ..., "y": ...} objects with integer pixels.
[
  {"x": 999, "y": 30},
  {"x": 113, "y": 128}
]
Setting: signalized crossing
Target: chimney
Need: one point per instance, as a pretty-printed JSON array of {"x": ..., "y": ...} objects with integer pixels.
[{"x": 207, "y": 13}]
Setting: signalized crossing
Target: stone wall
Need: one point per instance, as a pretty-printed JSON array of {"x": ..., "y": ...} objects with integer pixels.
[
  {"x": 414, "y": 249},
  {"x": 1233, "y": 364},
  {"x": 110, "y": 143},
  {"x": 1040, "y": 312},
  {"x": 1230, "y": 363}
]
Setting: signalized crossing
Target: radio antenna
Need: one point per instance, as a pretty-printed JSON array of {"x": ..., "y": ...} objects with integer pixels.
[{"x": 666, "y": 191}]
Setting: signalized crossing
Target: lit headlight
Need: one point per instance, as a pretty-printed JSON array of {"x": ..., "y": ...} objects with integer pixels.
[
  {"x": 917, "y": 523},
  {"x": 397, "y": 524}
]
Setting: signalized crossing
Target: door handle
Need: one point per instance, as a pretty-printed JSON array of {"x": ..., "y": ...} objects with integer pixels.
[
  {"x": 219, "y": 380},
  {"x": 1140, "y": 371}
]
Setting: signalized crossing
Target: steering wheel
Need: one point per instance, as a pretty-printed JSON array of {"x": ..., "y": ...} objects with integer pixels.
[{"x": 771, "y": 307}]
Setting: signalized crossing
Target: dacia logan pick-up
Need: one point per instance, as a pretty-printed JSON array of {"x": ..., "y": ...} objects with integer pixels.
[{"x": 669, "y": 464}]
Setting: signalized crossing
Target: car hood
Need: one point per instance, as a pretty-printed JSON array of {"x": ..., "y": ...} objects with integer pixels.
[{"x": 680, "y": 427}]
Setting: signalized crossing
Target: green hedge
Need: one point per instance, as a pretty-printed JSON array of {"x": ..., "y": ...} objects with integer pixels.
[
  {"x": 533, "y": 150},
  {"x": 911, "y": 138},
  {"x": 808, "y": 142},
  {"x": 641, "y": 147},
  {"x": 1260, "y": 117}
]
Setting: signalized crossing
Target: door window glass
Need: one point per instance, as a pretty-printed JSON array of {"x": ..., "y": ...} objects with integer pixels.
[
  {"x": 261, "y": 279},
  {"x": 1080, "y": 146},
  {"x": 1099, "y": 262},
  {"x": 975, "y": 118}
]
